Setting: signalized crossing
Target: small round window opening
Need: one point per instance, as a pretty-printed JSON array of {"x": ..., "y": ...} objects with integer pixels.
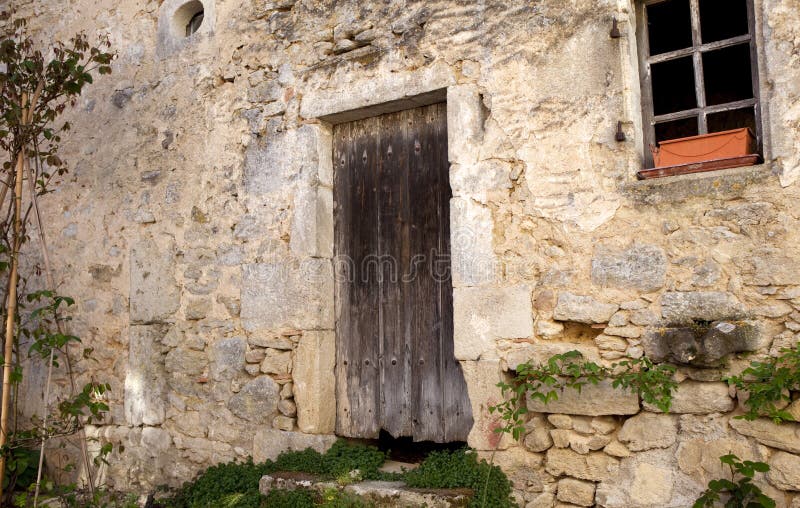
[
  {"x": 194, "y": 23},
  {"x": 188, "y": 19}
]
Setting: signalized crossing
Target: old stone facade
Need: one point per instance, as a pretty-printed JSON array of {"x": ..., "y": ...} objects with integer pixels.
[{"x": 196, "y": 231}]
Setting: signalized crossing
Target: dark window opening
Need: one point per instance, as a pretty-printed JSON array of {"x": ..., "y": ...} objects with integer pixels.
[
  {"x": 673, "y": 86},
  {"x": 723, "y": 19},
  {"x": 698, "y": 69},
  {"x": 735, "y": 119},
  {"x": 669, "y": 26},
  {"x": 727, "y": 75},
  {"x": 194, "y": 23},
  {"x": 676, "y": 129}
]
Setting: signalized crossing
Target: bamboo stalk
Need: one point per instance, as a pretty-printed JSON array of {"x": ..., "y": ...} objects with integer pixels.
[{"x": 11, "y": 309}]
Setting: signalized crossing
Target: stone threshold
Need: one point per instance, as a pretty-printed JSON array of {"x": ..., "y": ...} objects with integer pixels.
[{"x": 380, "y": 494}]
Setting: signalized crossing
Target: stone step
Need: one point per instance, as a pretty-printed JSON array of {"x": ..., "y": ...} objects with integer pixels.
[{"x": 377, "y": 493}]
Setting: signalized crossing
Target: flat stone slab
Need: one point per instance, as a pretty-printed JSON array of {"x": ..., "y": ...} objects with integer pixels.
[
  {"x": 376, "y": 493},
  {"x": 592, "y": 400}
]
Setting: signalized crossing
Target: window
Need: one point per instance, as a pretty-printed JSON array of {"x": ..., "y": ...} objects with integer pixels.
[
  {"x": 698, "y": 69},
  {"x": 194, "y": 23}
]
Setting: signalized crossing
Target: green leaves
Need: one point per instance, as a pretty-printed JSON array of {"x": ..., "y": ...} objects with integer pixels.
[
  {"x": 653, "y": 383},
  {"x": 741, "y": 493},
  {"x": 768, "y": 385}
]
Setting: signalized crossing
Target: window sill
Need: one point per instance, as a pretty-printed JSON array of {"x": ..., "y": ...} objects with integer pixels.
[
  {"x": 699, "y": 167},
  {"x": 726, "y": 183}
]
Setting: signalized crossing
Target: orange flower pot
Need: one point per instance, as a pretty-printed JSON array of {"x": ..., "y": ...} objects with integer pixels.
[{"x": 706, "y": 147}]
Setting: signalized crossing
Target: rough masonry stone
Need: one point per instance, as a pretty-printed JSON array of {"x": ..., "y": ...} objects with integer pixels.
[
  {"x": 315, "y": 382},
  {"x": 228, "y": 358},
  {"x": 483, "y": 315},
  {"x": 145, "y": 383},
  {"x": 592, "y": 400},
  {"x": 699, "y": 398},
  {"x": 257, "y": 401},
  {"x": 269, "y": 443},
  {"x": 288, "y": 294},
  {"x": 596, "y": 466},
  {"x": 784, "y": 437},
  {"x": 582, "y": 309},
  {"x": 683, "y": 307},
  {"x": 646, "y": 431},
  {"x": 154, "y": 294},
  {"x": 784, "y": 471},
  {"x": 638, "y": 266}
]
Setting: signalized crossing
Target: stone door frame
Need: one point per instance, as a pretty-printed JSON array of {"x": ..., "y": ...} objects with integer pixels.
[{"x": 473, "y": 262}]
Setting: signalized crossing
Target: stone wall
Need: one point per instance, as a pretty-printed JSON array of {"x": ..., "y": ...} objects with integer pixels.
[{"x": 195, "y": 230}]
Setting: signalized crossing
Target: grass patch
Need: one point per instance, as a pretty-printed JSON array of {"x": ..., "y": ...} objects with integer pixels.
[{"x": 235, "y": 484}]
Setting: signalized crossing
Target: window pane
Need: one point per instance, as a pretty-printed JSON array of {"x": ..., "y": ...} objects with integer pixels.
[
  {"x": 676, "y": 129},
  {"x": 669, "y": 26},
  {"x": 727, "y": 74},
  {"x": 736, "y": 119},
  {"x": 723, "y": 19},
  {"x": 673, "y": 86}
]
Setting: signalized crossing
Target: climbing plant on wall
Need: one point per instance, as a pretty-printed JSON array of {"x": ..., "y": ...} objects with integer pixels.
[{"x": 37, "y": 85}]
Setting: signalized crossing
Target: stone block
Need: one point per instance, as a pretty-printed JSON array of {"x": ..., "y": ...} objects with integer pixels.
[
  {"x": 699, "y": 346},
  {"x": 315, "y": 382},
  {"x": 228, "y": 358},
  {"x": 257, "y": 401},
  {"x": 685, "y": 307},
  {"x": 538, "y": 437},
  {"x": 784, "y": 437},
  {"x": 639, "y": 266},
  {"x": 482, "y": 378},
  {"x": 288, "y": 294},
  {"x": 540, "y": 352},
  {"x": 312, "y": 222},
  {"x": 646, "y": 431},
  {"x": 154, "y": 294},
  {"x": 583, "y": 309},
  {"x": 577, "y": 492},
  {"x": 283, "y": 422},
  {"x": 652, "y": 485},
  {"x": 483, "y": 315},
  {"x": 592, "y": 400},
  {"x": 156, "y": 439},
  {"x": 282, "y": 159},
  {"x": 277, "y": 362},
  {"x": 596, "y": 466},
  {"x": 774, "y": 267},
  {"x": 479, "y": 180},
  {"x": 399, "y": 89},
  {"x": 269, "y": 443},
  {"x": 699, "y": 398},
  {"x": 465, "y": 117},
  {"x": 144, "y": 391},
  {"x": 473, "y": 261},
  {"x": 185, "y": 361},
  {"x": 784, "y": 471},
  {"x": 617, "y": 449}
]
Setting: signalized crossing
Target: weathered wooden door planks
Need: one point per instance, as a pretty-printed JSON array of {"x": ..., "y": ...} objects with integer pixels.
[{"x": 395, "y": 365}]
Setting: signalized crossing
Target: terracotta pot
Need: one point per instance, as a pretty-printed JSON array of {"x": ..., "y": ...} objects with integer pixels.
[{"x": 706, "y": 147}]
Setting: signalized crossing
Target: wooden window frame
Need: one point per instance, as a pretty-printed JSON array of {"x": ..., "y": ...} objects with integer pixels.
[{"x": 649, "y": 119}]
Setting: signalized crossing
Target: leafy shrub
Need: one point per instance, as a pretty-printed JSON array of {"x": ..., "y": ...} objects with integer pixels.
[
  {"x": 217, "y": 484},
  {"x": 654, "y": 383},
  {"x": 741, "y": 493},
  {"x": 462, "y": 469},
  {"x": 768, "y": 385},
  {"x": 288, "y": 499}
]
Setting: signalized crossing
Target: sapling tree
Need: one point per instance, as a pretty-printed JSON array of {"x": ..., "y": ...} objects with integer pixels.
[{"x": 36, "y": 88}]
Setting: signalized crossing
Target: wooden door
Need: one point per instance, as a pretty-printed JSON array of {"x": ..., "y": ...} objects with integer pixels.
[{"x": 395, "y": 365}]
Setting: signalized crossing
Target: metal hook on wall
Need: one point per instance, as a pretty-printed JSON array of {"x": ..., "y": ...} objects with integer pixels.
[{"x": 615, "y": 33}]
